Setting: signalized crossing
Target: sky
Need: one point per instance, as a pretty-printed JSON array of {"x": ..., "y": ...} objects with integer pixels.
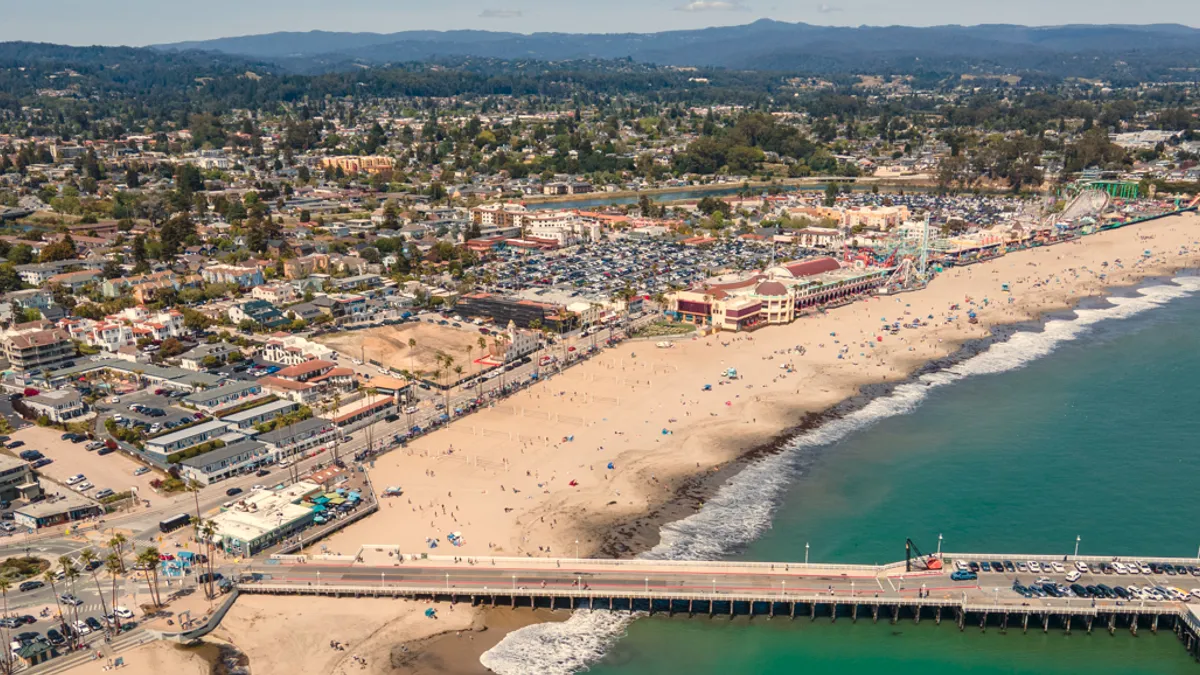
[{"x": 142, "y": 22}]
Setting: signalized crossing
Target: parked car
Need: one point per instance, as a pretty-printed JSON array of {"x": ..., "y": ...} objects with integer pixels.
[
  {"x": 106, "y": 492},
  {"x": 233, "y": 491},
  {"x": 30, "y": 585},
  {"x": 141, "y": 471}
]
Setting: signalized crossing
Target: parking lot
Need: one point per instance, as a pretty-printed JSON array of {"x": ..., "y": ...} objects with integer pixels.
[{"x": 113, "y": 471}]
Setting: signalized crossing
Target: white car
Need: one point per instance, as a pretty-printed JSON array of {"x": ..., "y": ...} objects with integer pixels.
[
  {"x": 1058, "y": 567},
  {"x": 411, "y": 410},
  {"x": 258, "y": 486},
  {"x": 84, "y": 486},
  {"x": 1081, "y": 566},
  {"x": 115, "y": 399},
  {"x": 82, "y": 628},
  {"x": 1035, "y": 566},
  {"x": 1120, "y": 568},
  {"x": 1073, "y": 576},
  {"x": 1143, "y": 567},
  {"x": 77, "y": 478},
  {"x": 123, "y": 612}
]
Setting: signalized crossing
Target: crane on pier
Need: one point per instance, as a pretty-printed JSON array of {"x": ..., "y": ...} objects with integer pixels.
[{"x": 914, "y": 558}]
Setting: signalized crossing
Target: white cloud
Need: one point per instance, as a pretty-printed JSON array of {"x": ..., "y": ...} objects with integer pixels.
[
  {"x": 713, "y": 6},
  {"x": 501, "y": 14}
]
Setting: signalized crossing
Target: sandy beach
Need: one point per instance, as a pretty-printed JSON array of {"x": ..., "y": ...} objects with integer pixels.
[{"x": 531, "y": 475}]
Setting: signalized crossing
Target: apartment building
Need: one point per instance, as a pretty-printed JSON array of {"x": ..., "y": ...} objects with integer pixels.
[{"x": 31, "y": 348}]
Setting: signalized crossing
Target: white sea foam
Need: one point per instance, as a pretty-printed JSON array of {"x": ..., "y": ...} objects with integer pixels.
[{"x": 743, "y": 507}]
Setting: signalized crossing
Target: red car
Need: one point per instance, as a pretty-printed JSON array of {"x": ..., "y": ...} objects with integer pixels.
[{"x": 165, "y": 556}]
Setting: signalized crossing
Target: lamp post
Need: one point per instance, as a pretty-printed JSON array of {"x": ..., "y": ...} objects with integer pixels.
[
  {"x": 806, "y": 553},
  {"x": 939, "y": 551},
  {"x": 447, "y": 581},
  {"x": 852, "y": 589},
  {"x": 318, "y": 578},
  {"x": 1076, "y": 546},
  {"x": 514, "y": 582},
  {"x": 382, "y": 582},
  {"x": 647, "y": 584},
  {"x": 782, "y": 588},
  {"x": 714, "y": 587},
  {"x": 577, "y": 549}
]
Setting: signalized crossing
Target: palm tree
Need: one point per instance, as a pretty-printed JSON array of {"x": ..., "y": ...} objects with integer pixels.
[
  {"x": 49, "y": 577},
  {"x": 208, "y": 529},
  {"x": 71, "y": 575},
  {"x": 115, "y": 566},
  {"x": 148, "y": 558},
  {"x": 117, "y": 544},
  {"x": 88, "y": 556},
  {"x": 412, "y": 350}
]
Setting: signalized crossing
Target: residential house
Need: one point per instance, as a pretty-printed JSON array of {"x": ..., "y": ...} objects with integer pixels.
[
  {"x": 260, "y": 312},
  {"x": 275, "y": 294},
  {"x": 194, "y": 358}
]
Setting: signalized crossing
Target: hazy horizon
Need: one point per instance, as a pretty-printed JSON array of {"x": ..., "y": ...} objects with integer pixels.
[{"x": 141, "y": 22}]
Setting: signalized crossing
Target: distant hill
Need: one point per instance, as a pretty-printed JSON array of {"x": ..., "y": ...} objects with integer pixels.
[{"x": 764, "y": 44}]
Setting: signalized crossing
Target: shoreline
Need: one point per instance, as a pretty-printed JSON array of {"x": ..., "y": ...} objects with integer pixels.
[
  {"x": 691, "y": 495},
  {"x": 664, "y": 477}
]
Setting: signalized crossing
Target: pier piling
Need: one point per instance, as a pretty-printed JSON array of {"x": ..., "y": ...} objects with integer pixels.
[
  {"x": 874, "y": 613},
  {"x": 937, "y": 617},
  {"x": 1154, "y": 625},
  {"x": 854, "y": 613},
  {"x": 895, "y": 613},
  {"x": 1025, "y": 623}
]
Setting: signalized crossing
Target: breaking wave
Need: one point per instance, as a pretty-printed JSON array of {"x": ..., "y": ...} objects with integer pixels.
[{"x": 743, "y": 507}]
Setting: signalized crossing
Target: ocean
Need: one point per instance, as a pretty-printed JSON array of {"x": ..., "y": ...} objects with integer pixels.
[{"x": 1083, "y": 426}]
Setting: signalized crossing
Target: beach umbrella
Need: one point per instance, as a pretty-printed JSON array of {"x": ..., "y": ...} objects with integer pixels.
[{"x": 610, "y": 466}]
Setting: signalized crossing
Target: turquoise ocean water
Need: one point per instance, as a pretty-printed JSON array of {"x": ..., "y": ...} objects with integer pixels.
[{"x": 1088, "y": 426}]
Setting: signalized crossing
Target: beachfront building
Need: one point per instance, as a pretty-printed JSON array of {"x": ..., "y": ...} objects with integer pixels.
[
  {"x": 263, "y": 518},
  {"x": 363, "y": 411},
  {"x": 776, "y": 296}
]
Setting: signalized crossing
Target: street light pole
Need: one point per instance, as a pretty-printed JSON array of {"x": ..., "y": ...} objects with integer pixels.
[
  {"x": 714, "y": 587},
  {"x": 806, "y": 553},
  {"x": 1076, "y": 546},
  {"x": 647, "y": 584},
  {"x": 447, "y": 581},
  {"x": 577, "y": 549},
  {"x": 382, "y": 583},
  {"x": 939, "y": 551}
]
